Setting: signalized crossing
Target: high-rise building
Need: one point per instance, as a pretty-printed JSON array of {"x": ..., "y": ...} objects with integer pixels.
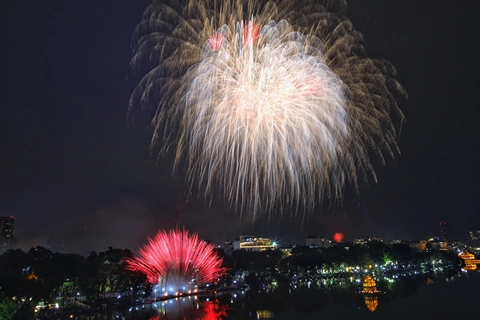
[
  {"x": 445, "y": 231},
  {"x": 7, "y": 240}
]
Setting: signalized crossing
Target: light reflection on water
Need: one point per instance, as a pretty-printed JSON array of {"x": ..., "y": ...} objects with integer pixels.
[
  {"x": 190, "y": 308},
  {"x": 408, "y": 297}
]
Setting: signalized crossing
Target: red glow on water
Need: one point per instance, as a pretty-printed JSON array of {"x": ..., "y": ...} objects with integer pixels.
[
  {"x": 338, "y": 237},
  {"x": 214, "y": 310},
  {"x": 201, "y": 310},
  {"x": 177, "y": 261}
]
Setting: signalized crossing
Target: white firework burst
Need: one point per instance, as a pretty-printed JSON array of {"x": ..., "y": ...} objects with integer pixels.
[{"x": 269, "y": 106}]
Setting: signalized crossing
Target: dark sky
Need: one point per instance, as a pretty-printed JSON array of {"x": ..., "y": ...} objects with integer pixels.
[{"x": 77, "y": 179}]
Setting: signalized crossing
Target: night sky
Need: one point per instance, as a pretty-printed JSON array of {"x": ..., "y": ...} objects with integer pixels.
[{"x": 77, "y": 179}]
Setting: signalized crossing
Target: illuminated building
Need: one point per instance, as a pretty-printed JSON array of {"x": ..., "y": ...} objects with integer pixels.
[
  {"x": 470, "y": 261},
  {"x": 7, "y": 240},
  {"x": 445, "y": 246},
  {"x": 423, "y": 245},
  {"x": 394, "y": 241},
  {"x": 365, "y": 240},
  {"x": 369, "y": 285},
  {"x": 433, "y": 243},
  {"x": 420, "y": 245},
  {"x": 318, "y": 242},
  {"x": 254, "y": 243},
  {"x": 370, "y": 291}
]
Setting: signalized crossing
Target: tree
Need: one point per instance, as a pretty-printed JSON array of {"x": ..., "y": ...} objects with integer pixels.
[
  {"x": 307, "y": 259},
  {"x": 335, "y": 255},
  {"x": 14, "y": 269},
  {"x": 401, "y": 252},
  {"x": 377, "y": 251},
  {"x": 105, "y": 275},
  {"x": 113, "y": 270},
  {"x": 89, "y": 280},
  {"x": 8, "y": 307},
  {"x": 357, "y": 255}
]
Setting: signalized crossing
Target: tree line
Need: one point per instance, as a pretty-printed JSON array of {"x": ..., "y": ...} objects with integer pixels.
[{"x": 102, "y": 279}]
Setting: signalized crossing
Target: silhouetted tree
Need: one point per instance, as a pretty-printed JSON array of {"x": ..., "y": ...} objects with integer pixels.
[
  {"x": 401, "y": 252},
  {"x": 8, "y": 307},
  {"x": 376, "y": 251}
]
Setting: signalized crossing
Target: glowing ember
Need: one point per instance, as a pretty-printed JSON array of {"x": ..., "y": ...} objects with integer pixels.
[
  {"x": 177, "y": 261},
  {"x": 338, "y": 237}
]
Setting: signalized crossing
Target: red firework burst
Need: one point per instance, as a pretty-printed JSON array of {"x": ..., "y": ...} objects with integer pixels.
[
  {"x": 338, "y": 237},
  {"x": 177, "y": 261}
]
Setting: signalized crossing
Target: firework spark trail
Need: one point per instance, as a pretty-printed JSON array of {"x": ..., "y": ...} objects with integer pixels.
[
  {"x": 177, "y": 260},
  {"x": 272, "y": 107}
]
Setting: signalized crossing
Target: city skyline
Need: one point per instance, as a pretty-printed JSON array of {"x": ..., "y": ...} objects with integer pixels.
[
  {"x": 440, "y": 239},
  {"x": 75, "y": 178}
]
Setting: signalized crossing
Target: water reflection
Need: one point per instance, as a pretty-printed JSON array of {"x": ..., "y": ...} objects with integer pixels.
[
  {"x": 191, "y": 307},
  {"x": 366, "y": 297},
  {"x": 371, "y": 301}
]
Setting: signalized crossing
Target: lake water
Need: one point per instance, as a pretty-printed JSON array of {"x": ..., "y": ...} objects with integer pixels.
[{"x": 410, "y": 297}]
